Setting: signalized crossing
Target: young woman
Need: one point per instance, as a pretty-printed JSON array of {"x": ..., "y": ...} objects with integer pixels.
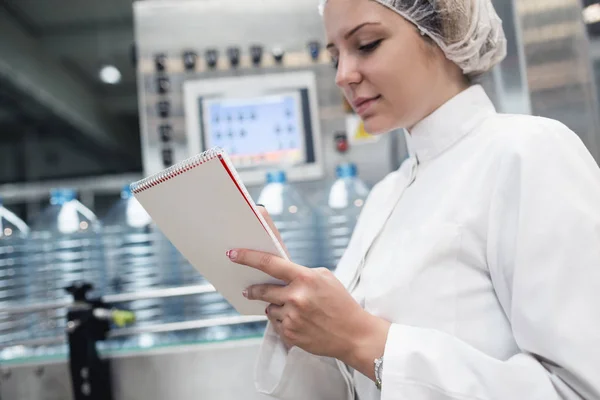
[{"x": 474, "y": 270}]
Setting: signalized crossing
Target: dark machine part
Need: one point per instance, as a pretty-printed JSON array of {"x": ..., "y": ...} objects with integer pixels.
[
  {"x": 341, "y": 142},
  {"x": 212, "y": 57},
  {"x": 133, "y": 55},
  {"x": 90, "y": 375},
  {"x": 189, "y": 60},
  {"x": 163, "y": 85},
  {"x": 167, "y": 157},
  {"x": 314, "y": 48},
  {"x": 278, "y": 54},
  {"x": 233, "y": 53},
  {"x": 160, "y": 62},
  {"x": 164, "y": 109},
  {"x": 166, "y": 133},
  {"x": 256, "y": 53}
]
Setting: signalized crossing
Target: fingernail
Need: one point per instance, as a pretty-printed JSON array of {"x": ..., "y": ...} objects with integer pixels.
[
  {"x": 267, "y": 310},
  {"x": 232, "y": 254},
  {"x": 260, "y": 205},
  {"x": 245, "y": 293}
]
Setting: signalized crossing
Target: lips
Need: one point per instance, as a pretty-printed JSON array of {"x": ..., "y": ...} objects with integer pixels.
[{"x": 362, "y": 104}]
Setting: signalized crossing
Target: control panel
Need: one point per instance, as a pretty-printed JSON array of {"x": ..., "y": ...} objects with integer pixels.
[{"x": 263, "y": 122}]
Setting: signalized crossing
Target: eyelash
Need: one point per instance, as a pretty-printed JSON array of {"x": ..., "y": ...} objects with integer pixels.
[{"x": 367, "y": 48}]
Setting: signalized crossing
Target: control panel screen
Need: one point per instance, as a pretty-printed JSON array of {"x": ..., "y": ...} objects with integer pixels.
[{"x": 256, "y": 131}]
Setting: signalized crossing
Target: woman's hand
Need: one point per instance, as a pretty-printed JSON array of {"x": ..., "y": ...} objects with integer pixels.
[{"x": 315, "y": 312}]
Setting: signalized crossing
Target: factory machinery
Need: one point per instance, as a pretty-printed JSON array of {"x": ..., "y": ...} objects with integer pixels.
[{"x": 253, "y": 78}]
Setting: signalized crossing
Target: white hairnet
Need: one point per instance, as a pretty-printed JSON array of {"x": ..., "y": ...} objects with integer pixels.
[{"x": 469, "y": 32}]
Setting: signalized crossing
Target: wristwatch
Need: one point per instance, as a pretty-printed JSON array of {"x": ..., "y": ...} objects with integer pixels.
[{"x": 378, "y": 371}]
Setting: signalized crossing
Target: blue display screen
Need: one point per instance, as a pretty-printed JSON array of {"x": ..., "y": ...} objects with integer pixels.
[{"x": 257, "y": 130}]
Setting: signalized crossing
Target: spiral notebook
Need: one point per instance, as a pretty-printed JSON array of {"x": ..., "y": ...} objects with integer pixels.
[{"x": 204, "y": 209}]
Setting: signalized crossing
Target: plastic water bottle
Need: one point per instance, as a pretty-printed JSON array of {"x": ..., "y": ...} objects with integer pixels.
[
  {"x": 339, "y": 213},
  {"x": 13, "y": 277},
  {"x": 65, "y": 247},
  {"x": 294, "y": 217},
  {"x": 203, "y": 306},
  {"x": 139, "y": 258}
]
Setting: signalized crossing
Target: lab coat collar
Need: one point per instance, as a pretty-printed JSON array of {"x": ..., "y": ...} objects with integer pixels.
[{"x": 448, "y": 124}]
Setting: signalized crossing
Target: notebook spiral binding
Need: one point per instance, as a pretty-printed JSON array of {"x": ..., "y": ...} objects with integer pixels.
[
  {"x": 193, "y": 162},
  {"x": 176, "y": 170}
]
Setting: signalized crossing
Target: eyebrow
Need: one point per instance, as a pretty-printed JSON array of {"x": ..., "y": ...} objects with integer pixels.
[{"x": 353, "y": 31}]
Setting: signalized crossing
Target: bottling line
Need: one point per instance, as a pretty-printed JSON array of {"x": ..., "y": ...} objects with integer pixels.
[{"x": 253, "y": 78}]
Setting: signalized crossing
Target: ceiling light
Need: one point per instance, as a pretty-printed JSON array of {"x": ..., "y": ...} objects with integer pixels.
[
  {"x": 591, "y": 14},
  {"x": 110, "y": 74}
]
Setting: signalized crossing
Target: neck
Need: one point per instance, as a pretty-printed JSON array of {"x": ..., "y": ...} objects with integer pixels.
[{"x": 443, "y": 93}]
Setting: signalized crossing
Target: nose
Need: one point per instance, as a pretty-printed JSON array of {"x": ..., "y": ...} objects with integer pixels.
[{"x": 347, "y": 72}]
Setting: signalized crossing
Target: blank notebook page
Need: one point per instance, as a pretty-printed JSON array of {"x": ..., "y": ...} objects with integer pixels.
[{"x": 205, "y": 210}]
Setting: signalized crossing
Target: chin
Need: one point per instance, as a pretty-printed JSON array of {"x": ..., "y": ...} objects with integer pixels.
[{"x": 376, "y": 125}]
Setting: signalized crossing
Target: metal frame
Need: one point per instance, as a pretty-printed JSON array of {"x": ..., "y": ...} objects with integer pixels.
[
  {"x": 259, "y": 84},
  {"x": 126, "y": 297},
  {"x": 33, "y": 191}
]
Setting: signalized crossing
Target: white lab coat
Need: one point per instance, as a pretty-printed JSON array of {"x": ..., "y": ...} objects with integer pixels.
[{"x": 483, "y": 250}]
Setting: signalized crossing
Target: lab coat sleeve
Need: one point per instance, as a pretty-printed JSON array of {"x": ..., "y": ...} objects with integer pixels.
[
  {"x": 298, "y": 375},
  {"x": 544, "y": 260}
]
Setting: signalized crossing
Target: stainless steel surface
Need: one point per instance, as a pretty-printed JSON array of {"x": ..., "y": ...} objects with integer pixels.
[
  {"x": 559, "y": 73},
  {"x": 187, "y": 325},
  {"x": 34, "y": 307},
  {"x": 157, "y": 328},
  {"x": 115, "y": 298},
  {"x": 507, "y": 83},
  {"x": 159, "y": 293},
  {"x": 32, "y": 191},
  {"x": 47, "y": 381},
  {"x": 46, "y": 341},
  {"x": 172, "y": 27},
  {"x": 219, "y": 371}
]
